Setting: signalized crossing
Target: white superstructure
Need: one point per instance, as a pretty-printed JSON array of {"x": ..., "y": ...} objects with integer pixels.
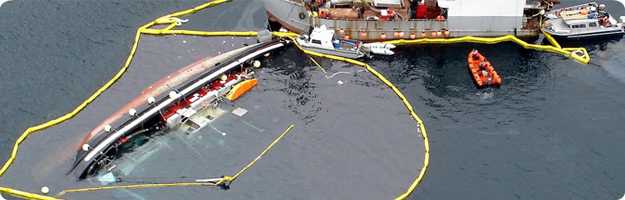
[{"x": 484, "y": 15}]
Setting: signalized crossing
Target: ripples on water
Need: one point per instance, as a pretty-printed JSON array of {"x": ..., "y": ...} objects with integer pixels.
[
  {"x": 552, "y": 131},
  {"x": 443, "y": 71}
]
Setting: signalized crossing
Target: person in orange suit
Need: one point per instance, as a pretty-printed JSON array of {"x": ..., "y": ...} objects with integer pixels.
[{"x": 486, "y": 75}]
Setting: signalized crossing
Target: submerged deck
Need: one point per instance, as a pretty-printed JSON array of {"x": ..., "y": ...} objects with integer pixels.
[{"x": 45, "y": 157}]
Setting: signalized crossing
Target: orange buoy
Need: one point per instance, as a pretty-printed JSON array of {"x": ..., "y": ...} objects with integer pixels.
[
  {"x": 482, "y": 71},
  {"x": 363, "y": 34},
  {"x": 413, "y": 36},
  {"x": 383, "y": 36},
  {"x": 240, "y": 89},
  {"x": 346, "y": 37}
]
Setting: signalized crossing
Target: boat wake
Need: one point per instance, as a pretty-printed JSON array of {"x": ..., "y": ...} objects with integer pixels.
[{"x": 487, "y": 96}]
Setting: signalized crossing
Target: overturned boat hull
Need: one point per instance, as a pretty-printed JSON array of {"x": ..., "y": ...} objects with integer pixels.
[{"x": 93, "y": 153}]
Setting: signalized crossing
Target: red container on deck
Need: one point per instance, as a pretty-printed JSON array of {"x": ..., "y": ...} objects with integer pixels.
[{"x": 422, "y": 11}]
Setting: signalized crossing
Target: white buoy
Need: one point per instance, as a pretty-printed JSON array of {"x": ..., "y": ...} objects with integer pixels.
[
  {"x": 85, "y": 147},
  {"x": 45, "y": 189},
  {"x": 223, "y": 79},
  {"x": 151, "y": 100},
  {"x": 173, "y": 94},
  {"x": 256, "y": 64},
  {"x": 107, "y": 128},
  {"x": 132, "y": 112},
  {"x": 340, "y": 82},
  {"x": 267, "y": 54}
]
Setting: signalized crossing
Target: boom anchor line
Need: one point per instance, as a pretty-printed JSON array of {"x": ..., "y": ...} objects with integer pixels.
[{"x": 172, "y": 20}]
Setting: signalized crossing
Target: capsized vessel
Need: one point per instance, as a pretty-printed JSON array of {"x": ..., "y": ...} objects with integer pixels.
[{"x": 184, "y": 106}]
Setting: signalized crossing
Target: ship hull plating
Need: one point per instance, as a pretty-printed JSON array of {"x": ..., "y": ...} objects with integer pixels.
[{"x": 294, "y": 17}]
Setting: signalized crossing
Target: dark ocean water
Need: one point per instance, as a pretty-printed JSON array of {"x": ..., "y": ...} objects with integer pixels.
[{"x": 554, "y": 130}]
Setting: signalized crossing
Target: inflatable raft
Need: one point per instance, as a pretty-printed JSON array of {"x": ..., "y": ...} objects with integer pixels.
[
  {"x": 240, "y": 89},
  {"x": 482, "y": 70}
]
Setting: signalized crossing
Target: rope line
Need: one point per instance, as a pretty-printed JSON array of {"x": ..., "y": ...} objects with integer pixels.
[
  {"x": 229, "y": 179},
  {"x": 224, "y": 181},
  {"x": 407, "y": 104},
  {"x": 137, "y": 186},
  {"x": 172, "y": 20},
  {"x": 317, "y": 64}
]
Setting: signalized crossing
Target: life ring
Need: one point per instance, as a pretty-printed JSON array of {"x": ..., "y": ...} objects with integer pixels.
[{"x": 302, "y": 15}]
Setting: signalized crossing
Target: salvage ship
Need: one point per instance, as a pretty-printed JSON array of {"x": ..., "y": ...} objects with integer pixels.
[{"x": 379, "y": 20}]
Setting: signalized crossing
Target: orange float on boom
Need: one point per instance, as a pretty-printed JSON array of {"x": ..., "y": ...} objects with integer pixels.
[
  {"x": 482, "y": 71},
  {"x": 240, "y": 89}
]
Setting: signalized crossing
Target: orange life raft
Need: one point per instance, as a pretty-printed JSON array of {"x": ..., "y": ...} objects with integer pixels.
[
  {"x": 482, "y": 76},
  {"x": 240, "y": 89}
]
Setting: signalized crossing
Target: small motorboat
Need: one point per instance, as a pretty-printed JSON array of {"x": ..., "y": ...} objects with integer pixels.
[
  {"x": 482, "y": 71},
  {"x": 585, "y": 21},
  {"x": 322, "y": 40}
]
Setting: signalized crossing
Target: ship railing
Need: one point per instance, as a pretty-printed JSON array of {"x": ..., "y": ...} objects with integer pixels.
[
  {"x": 381, "y": 26},
  {"x": 418, "y": 28}
]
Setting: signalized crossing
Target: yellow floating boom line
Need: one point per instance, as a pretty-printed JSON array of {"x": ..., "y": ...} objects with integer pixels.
[
  {"x": 407, "y": 104},
  {"x": 578, "y": 54},
  {"x": 225, "y": 180},
  {"x": 25, "y": 195},
  {"x": 137, "y": 186},
  {"x": 172, "y": 20}
]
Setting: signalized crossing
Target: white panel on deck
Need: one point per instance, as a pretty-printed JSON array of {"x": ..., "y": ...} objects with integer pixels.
[
  {"x": 480, "y": 17},
  {"x": 483, "y": 7},
  {"x": 388, "y": 3}
]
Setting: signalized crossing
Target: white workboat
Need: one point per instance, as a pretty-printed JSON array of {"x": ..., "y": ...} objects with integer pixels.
[
  {"x": 583, "y": 21},
  {"x": 322, "y": 40}
]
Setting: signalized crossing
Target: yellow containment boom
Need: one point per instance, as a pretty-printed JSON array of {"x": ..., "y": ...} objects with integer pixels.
[{"x": 240, "y": 89}]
